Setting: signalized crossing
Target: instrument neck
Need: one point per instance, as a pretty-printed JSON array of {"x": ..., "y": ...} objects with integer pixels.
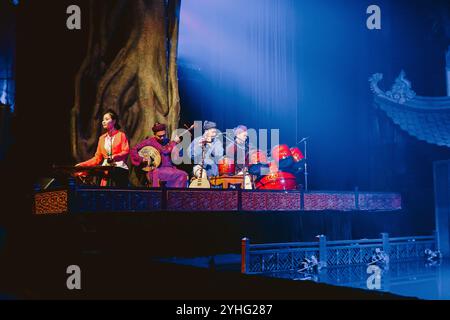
[{"x": 203, "y": 161}]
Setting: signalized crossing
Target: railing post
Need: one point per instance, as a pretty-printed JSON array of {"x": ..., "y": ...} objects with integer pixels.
[
  {"x": 239, "y": 194},
  {"x": 323, "y": 255},
  {"x": 386, "y": 246},
  {"x": 245, "y": 255}
]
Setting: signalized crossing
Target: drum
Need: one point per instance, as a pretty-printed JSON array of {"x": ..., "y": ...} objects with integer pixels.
[
  {"x": 226, "y": 167},
  {"x": 277, "y": 181},
  {"x": 282, "y": 154},
  {"x": 297, "y": 154},
  {"x": 297, "y": 166}
]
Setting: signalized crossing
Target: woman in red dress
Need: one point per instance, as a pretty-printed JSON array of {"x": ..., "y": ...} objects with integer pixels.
[{"x": 112, "y": 150}]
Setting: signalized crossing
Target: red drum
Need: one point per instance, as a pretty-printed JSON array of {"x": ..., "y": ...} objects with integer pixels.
[
  {"x": 277, "y": 181},
  {"x": 257, "y": 157},
  {"x": 226, "y": 167},
  {"x": 297, "y": 166},
  {"x": 281, "y": 152},
  {"x": 297, "y": 154}
]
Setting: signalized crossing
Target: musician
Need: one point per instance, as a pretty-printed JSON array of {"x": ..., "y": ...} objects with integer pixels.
[
  {"x": 112, "y": 150},
  {"x": 239, "y": 149},
  {"x": 167, "y": 171},
  {"x": 212, "y": 146}
]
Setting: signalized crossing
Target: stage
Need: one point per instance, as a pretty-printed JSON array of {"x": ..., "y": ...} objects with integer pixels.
[
  {"x": 77, "y": 199},
  {"x": 192, "y": 222}
]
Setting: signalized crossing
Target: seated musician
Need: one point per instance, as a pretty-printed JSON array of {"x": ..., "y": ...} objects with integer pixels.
[
  {"x": 209, "y": 146},
  {"x": 239, "y": 150},
  {"x": 167, "y": 171},
  {"x": 112, "y": 150}
]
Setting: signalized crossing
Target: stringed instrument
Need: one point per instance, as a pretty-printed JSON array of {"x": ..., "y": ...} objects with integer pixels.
[
  {"x": 153, "y": 157},
  {"x": 201, "y": 182},
  {"x": 248, "y": 180}
]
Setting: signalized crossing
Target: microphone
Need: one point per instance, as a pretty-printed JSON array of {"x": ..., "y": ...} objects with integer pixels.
[{"x": 303, "y": 140}]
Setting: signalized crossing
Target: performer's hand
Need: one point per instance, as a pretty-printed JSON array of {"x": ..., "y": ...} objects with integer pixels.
[
  {"x": 177, "y": 139},
  {"x": 202, "y": 141}
]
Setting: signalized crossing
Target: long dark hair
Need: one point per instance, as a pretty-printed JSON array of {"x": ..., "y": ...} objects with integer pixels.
[{"x": 115, "y": 117}]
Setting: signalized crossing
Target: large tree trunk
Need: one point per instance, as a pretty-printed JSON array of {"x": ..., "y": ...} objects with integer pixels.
[{"x": 130, "y": 67}]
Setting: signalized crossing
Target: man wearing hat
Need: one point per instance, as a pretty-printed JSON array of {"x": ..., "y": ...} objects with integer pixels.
[
  {"x": 167, "y": 171},
  {"x": 239, "y": 149},
  {"x": 213, "y": 151}
]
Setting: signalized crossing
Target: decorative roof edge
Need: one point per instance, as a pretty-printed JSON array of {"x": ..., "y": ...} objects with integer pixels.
[{"x": 400, "y": 92}]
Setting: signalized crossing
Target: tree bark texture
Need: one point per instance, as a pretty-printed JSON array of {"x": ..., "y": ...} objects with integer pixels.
[{"x": 130, "y": 67}]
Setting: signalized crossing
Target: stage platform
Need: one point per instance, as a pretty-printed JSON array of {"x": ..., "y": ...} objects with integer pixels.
[
  {"x": 194, "y": 222},
  {"x": 88, "y": 200}
]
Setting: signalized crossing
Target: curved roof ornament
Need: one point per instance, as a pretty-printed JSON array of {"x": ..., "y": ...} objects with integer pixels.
[
  {"x": 400, "y": 92},
  {"x": 426, "y": 118}
]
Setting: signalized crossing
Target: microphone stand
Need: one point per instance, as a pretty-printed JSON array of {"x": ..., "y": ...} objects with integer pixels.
[{"x": 306, "y": 166}]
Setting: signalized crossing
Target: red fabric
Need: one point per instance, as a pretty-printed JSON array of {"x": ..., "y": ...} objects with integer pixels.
[
  {"x": 120, "y": 150},
  {"x": 159, "y": 127}
]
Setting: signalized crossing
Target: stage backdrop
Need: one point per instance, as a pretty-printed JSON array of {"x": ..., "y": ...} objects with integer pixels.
[
  {"x": 303, "y": 67},
  {"x": 322, "y": 72},
  {"x": 130, "y": 67}
]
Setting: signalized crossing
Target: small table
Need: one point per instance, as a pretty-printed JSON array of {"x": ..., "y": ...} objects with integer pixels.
[{"x": 225, "y": 181}]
